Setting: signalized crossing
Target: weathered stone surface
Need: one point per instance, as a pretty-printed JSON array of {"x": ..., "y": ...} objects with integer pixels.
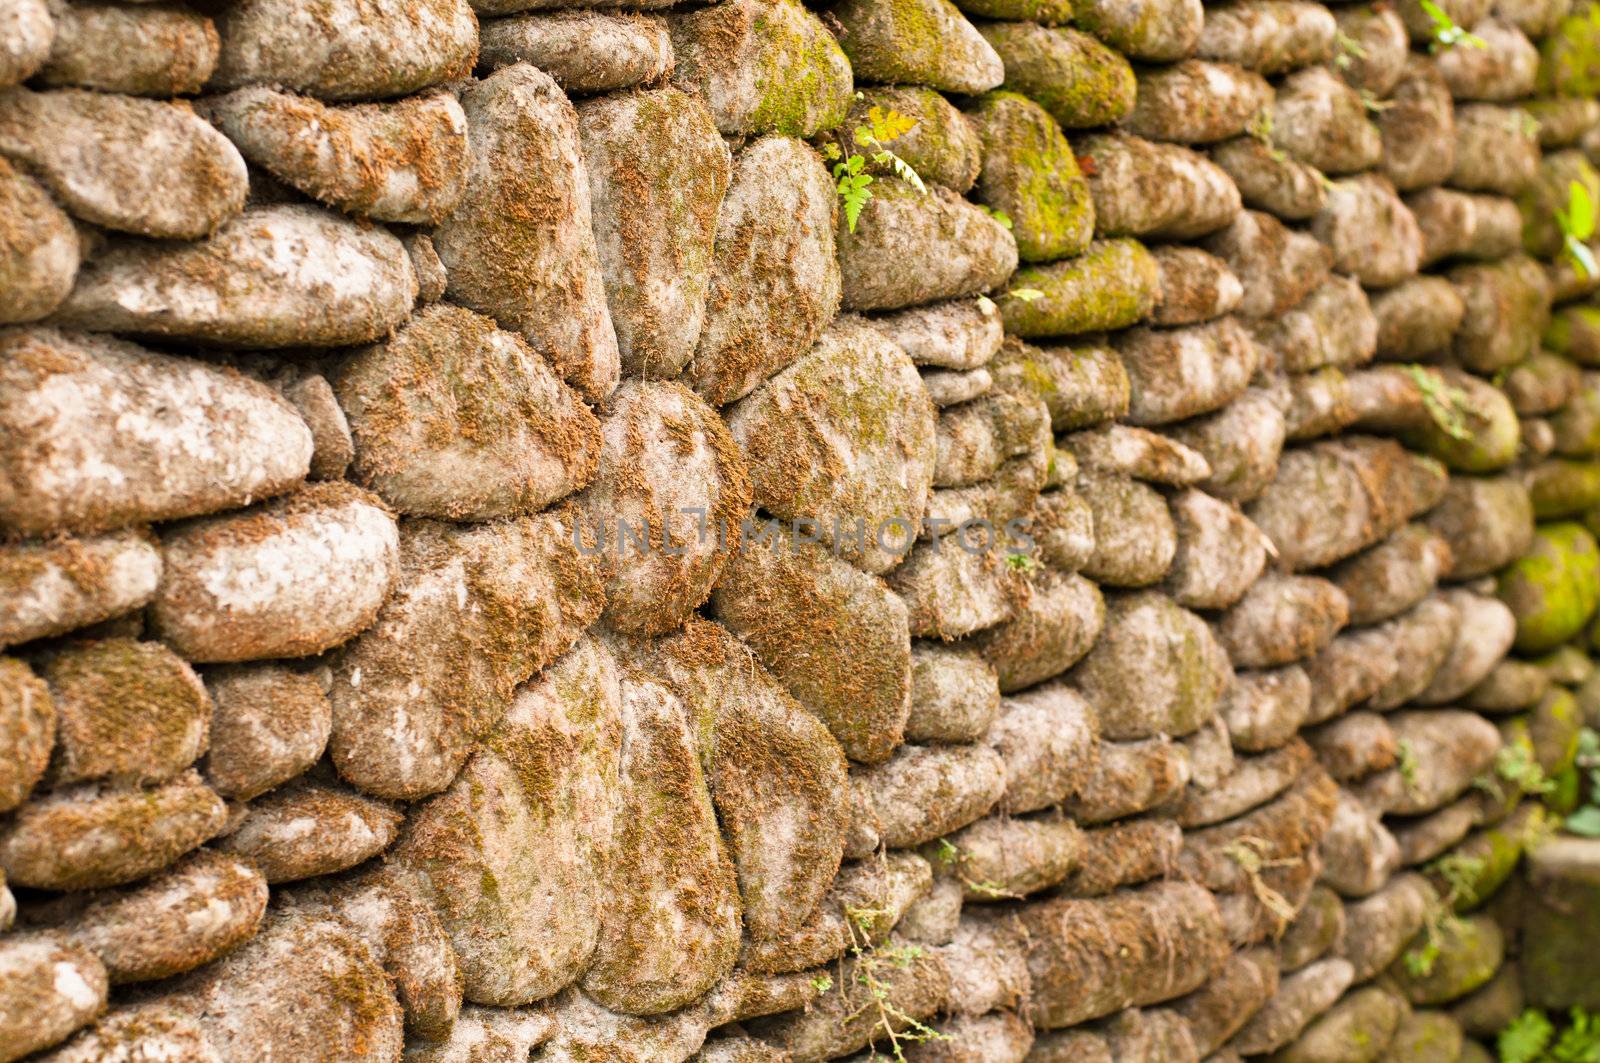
[
  {"x": 1393, "y": 576},
  {"x": 1241, "y": 442},
  {"x": 762, "y": 66},
  {"x": 40, "y": 256},
  {"x": 657, "y": 172},
  {"x": 954, "y": 695},
  {"x": 1488, "y": 522},
  {"x": 1155, "y": 669},
  {"x": 510, "y": 856},
  {"x": 1496, "y": 149},
  {"x": 960, "y": 334},
  {"x": 1282, "y": 619},
  {"x": 52, "y": 586},
  {"x": 1114, "y": 284},
  {"x": 287, "y": 579},
  {"x": 1143, "y": 188},
  {"x": 585, "y": 51},
  {"x": 307, "y": 828},
  {"x": 30, "y": 31},
  {"x": 1048, "y": 738},
  {"x": 94, "y": 835},
  {"x": 1124, "y": 854},
  {"x": 1470, "y": 951},
  {"x": 49, "y": 989},
  {"x": 777, "y": 778},
  {"x": 1333, "y": 326},
  {"x": 142, "y": 51},
  {"x": 1321, "y": 121},
  {"x": 1370, "y": 232},
  {"x": 156, "y": 168},
  {"x": 1195, "y": 102},
  {"x": 1130, "y": 778},
  {"x": 1417, "y": 318},
  {"x": 1278, "y": 266},
  {"x": 912, "y": 247},
  {"x": 1507, "y": 307},
  {"x": 1377, "y": 60},
  {"x": 951, "y": 592},
  {"x": 29, "y": 731},
  {"x": 1031, "y": 175},
  {"x": 278, "y": 276},
  {"x": 1267, "y": 36},
  {"x": 499, "y": 602},
  {"x": 343, "y": 49},
  {"x": 665, "y": 506},
  {"x": 1123, "y": 450},
  {"x": 534, "y": 269},
  {"x": 864, "y": 451},
  {"x": 1502, "y": 66},
  {"x": 120, "y": 416},
  {"x": 1219, "y": 555},
  {"x": 1048, "y": 634},
  {"x": 1485, "y": 634},
  {"x": 384, "y": 907},
  {"x": 1073, "y": 76},
  {"x": 1420, "y": 138},
  {"x": 1090, "y": 957},
  {"x": 269, "y": 723},
  {"x": 1196, "y": 287},
  {"x": 1271, "y": 180},
  {"x": 923, "y": 792},
  {"x": 834, "y": 636},
  {"x": 454, "y": 418},
  {"x": 199, "y": 910},
  {"x": 1161, "y": 32},
  {"x": 1178, "y": 373},
  {"x": 669, "y": 914},
  {"x": 306, "y": 987},
  {"x": 1465, "y": 224},
  {"x": 916, "y": 42},
  {"x": 1263, "y": 710},
  {"x": 774, "y": 280},
  {"x": 403, "y": 161},
  {"x": 125, "y": 710},
  {"x": 1358, "y": 852},
  {"x": 1134, "y": 535},
  {"x": 1301, "y": 997},
  {"x": 1362, "y": 490}
]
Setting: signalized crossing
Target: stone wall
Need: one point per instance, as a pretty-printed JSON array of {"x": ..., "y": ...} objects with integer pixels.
[{"x": 499, "y": 563}]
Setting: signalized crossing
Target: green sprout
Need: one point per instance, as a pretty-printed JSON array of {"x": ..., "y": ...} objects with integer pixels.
[
  {"x": 1577, "y": 226},
  {"x": 852, "y": 182},
  {"x": 1446, "y": 34}
]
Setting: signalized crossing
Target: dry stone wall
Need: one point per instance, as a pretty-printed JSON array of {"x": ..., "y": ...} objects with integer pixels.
[{"x": 499, "y": 563}]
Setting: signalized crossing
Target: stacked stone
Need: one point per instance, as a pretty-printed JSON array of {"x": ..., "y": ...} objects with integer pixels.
[{"x": 497, "y": 565}]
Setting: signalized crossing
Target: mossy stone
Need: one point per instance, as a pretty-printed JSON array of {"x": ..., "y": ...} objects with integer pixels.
[
  {"x": 1554, "y": 588},
  {"x": 1114, "y": 284},
  {"x": 1470, "y": 952},
  {"x": 1575, "y": 332},
  {"x": 1569, "y": 59},
  {"x": 1031, "y": 174},
  {"x": 1076, "y": 78},
  {"x": 1489, "y": 435}
]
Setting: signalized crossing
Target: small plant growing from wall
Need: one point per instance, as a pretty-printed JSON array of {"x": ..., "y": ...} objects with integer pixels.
[
  {"x": 1585, "y": 819},
  {"x": 1577, "y": 224},
  {"x": 1446, "y": 34},
  {"x": 1531, "y": 1038},
  {"x": 852, "y": 181}
]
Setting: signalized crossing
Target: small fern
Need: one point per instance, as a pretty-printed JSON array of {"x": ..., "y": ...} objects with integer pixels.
[
  {"x": 851, "y": 179},
  {"x": 1446, "y": 34},
  {"x": 1577, "y": 224}
]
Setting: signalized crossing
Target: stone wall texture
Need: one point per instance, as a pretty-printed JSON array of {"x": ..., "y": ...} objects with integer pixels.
[{"x": 498, "y": 565}]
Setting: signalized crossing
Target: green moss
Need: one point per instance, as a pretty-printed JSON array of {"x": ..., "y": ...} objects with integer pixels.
[
  {"x": 1470, "y": 952},
  {"x": 1575, "y": 331},
  {"x": 1569, "y": 62},
  {"x": 1080, "y": 81},
  {"x": 1111, "y": 286},
  {"x": 1552, "y": 590},
  {"x": 1030, "y": 173},
  {"x": 1563, "y": 488},
  {"x": 802, "y": 75}
]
